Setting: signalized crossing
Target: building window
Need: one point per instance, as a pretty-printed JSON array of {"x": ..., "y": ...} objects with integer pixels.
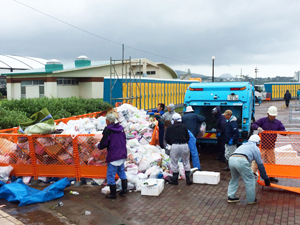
[
  {"x": 150, "y": 72},
  {"x": 41, "y": 91},
  {"x": 67, "y": 81},
  {"x": 39, "y": 83}
]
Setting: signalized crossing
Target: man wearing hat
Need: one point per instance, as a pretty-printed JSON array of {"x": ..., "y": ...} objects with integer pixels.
[
  {"x": 177, "y": 136},
  {"x": 231, "y": 135},
  {"x": 239, "y": 163},
  {"x": 192, "y": 121},
  {"x": 268, "y": 145}
]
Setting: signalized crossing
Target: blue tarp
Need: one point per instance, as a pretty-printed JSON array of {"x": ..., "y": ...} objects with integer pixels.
[{"x": 20, "y": 192}]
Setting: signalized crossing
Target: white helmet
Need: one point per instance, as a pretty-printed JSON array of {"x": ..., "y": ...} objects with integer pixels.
[
  {"x": 254, "y": 138},
  {"x": 176, "y": 117},
  {"x": 189, "y": 109},
  {"x": 272, "y": 111}
]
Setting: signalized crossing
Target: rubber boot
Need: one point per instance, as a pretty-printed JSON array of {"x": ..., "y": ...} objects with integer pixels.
[
  {"x": 124, "y": 187},
  {"x": 113, "y": 192},
  {"x": 188, "y": 178},
  {"x": 174, "y": 179}
]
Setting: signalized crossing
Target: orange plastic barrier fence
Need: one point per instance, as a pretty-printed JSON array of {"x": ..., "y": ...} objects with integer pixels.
[
  {"x": 53, "y": 155},
  {"x": 88, "y": 115},
  {"x": 120, "y": 103},
  {"x": 280, "y": 151}
]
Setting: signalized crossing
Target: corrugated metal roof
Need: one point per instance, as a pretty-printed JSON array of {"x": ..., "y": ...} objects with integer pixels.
[{"x": 12, "y": 62}]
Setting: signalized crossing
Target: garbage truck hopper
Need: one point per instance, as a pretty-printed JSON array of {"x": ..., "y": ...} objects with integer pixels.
[{"x": 237, "y": 96}]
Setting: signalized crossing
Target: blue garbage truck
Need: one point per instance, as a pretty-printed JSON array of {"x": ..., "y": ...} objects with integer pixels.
[{"x": 239, "y": 97}]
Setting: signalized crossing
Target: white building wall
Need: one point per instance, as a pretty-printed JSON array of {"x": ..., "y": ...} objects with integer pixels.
[
  {"x": 50, "y": 89},
  {"x": 85, "y": 89},
  {"x": 16, "y": 91},
  {"x": 97, "y": 89},
  {"x": 65, "y": 91},
  {"x": 297, "y": 76},
  {"x": 91, "y": 89},
  {"x": 32, "y": 91},
  {"x": 9, "y": 91}
]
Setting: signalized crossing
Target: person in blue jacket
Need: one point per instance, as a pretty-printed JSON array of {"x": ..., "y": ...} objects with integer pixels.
[
  {"x": 231, "y": 135},
  {"x": 194, "y": 151},
  {"x": 220, "y": 127},
  {"x": 192, "y": 120},
  {"x": 240, "y": 166},
  {"x": 158, "y": 112}
]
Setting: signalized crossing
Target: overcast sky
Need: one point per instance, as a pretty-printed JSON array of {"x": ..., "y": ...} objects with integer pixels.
[{"x": 182, "y": 34}]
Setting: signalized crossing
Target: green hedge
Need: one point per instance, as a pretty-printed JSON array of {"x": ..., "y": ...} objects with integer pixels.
[{"x": 58, "y": 107}]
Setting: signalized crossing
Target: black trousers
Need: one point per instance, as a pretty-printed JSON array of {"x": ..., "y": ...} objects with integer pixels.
[
  {"x": 287, "y": 103},
  {"x": 221, "y": 147}
]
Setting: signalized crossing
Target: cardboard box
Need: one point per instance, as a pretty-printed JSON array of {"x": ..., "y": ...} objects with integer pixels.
[
  {"x": 153, "y": 190},
  {"x": 206, "y": 177}
]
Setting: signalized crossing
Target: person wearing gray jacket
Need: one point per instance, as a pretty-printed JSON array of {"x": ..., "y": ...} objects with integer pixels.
[{"x": 168, "y": 115}]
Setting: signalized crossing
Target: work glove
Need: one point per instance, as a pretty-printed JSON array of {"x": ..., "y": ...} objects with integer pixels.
[
  {"x": 267, "y": 182},
  {"x": 218, "y": 134},
  {"x": 96, "y": 145},
  {"x": 230, "y": 142},
  {"x": 260, "y": 130}
]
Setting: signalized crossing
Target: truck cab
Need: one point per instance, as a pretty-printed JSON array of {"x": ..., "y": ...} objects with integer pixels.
[
  {"x": 260, "y": 93},
  {"x": 239, "y": 97}
]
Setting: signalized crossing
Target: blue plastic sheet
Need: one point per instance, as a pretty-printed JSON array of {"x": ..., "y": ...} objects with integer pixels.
[{"x": 20, "y": 192}]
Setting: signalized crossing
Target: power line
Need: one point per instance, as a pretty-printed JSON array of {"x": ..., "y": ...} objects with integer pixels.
[{"x": 95, "y": 35}]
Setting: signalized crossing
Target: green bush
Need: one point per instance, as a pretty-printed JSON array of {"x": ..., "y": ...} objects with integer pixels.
[
  {"x": 11, "y": 118},
  {"x": 58, "y": 107}
]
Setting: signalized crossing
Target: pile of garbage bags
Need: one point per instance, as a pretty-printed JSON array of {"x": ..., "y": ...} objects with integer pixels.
[{"x": 144, "y": 160}]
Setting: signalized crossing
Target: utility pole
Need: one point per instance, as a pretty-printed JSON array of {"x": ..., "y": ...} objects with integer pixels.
[{"x": 256, "y": 71}]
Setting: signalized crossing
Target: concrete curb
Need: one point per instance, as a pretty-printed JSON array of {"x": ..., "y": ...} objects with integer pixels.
[{"x": 6, "y": 219}]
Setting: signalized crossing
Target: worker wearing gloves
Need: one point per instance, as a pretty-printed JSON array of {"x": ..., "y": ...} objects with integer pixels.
[
  {"x": 240, "y": 165},
  {"x": 220, "y": 127},
  {"x": 114, "y": 140},
  {"x": 177, "y": 135},
  {"x": 268, "y": 145},
  {"x": 231, "y": 135}
]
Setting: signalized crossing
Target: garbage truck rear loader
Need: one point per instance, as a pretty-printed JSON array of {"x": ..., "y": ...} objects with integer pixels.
[{"x": 239, "y": 97}]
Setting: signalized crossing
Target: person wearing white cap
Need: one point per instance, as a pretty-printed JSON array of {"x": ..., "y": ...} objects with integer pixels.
[
  {"x": 269, "y": 123},
  {"x": 177, "y": 136},
  {"x": 192, "y": 120},
  {"x": 239, "y": 163}
]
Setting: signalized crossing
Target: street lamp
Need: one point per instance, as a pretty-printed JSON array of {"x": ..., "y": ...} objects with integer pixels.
[{"x": 213, "y": 72}]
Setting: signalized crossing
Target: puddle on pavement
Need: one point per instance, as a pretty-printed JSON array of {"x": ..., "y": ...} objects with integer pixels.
[{"x": 36, "y": 217}]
